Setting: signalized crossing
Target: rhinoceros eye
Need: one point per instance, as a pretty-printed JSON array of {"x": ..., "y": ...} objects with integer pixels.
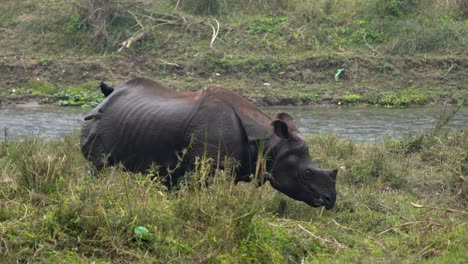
[{"x": 309, "y": 173}]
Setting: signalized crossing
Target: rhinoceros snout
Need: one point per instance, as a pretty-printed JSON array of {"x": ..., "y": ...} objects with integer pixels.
[{"x": 328, "y": 202}]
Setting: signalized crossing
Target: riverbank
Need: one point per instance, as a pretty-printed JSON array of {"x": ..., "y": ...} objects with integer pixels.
[
  {"x": 434, "y": 81},
  {"x": 401, "y": 201},
  {"x": 380, "y": 52}
]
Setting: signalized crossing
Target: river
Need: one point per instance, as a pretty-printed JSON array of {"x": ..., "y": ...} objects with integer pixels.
[{"x": 358, "y": 123}]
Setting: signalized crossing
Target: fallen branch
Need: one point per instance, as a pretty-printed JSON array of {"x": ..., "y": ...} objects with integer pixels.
[
  {"x": 149, "y": 23},
  {"x": 129, "y": 42},
  {"x": 215, "y": 32}
]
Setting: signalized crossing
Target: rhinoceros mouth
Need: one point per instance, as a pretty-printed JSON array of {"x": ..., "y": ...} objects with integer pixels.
[
  {"x": 315, "y": 202},
  {"x": 329, "y": 206},
  {"x": 318, "y": 202}
]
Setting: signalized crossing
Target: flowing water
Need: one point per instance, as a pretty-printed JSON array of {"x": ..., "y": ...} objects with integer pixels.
[
  {"x": 358, "y": 123},
  {"x": 370, "y": 123},
  {"x": 43, "y": 121}
]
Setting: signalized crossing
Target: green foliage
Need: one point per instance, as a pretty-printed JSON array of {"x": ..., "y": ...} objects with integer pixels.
[
  {"x": 271, "y": 25},
  {"x": 350, "y": 97},
  {"x": 412, "y": 96},
  {"x": 367, "y": 33},
  {"x": 86, "y": 95},
  {"x": 75, "y": 24},
  {"x": 73, "y": 98}
]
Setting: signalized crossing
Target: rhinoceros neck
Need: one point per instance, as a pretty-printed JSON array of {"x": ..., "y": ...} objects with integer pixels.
[{"x": 259, "y": 162}]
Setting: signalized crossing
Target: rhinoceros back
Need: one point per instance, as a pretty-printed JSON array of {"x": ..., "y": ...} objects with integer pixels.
[
  {"x": 143, "y": 122},
  {"x": 135, "y": 125}
]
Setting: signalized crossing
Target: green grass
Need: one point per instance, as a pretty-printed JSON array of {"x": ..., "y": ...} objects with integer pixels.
[{"x": 53, "y": 209}]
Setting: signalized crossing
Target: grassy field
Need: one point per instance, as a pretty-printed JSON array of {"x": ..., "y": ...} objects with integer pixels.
[
  {"x": 398, "y": 202},
  {"x": 393, "y": 52}
]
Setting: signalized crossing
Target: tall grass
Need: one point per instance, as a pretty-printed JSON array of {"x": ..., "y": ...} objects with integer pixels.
[{"x": 53, "y": 209}]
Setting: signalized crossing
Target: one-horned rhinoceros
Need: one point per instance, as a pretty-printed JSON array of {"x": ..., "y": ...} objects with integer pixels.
[{"x": 142, "y": 122}]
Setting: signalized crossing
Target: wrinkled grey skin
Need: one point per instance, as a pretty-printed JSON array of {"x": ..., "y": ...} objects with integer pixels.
[{"x": 142, "y": 122}]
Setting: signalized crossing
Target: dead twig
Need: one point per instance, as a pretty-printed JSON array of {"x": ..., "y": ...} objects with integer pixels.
[
  {"x": 176, "y": 6},
  {"x": 360, "y": 232},
  {"x": 170, "y": 63},
  {"x": 215, "y": 32},
  {"x": 367, "y": 44},
  {"x": 136, "y": 19},
  {"x": 17, "y": 221},
  {"x": 449, "y": 70},
  {"x": 449, "y": 210},
  {"x": 172, "y": 18},
  {"x": 135, "y": 37},
  {"x": 3, "y": 242},
  {"x": 7, "y": 182},
  {"x": 407, "y": 224},
  {"x": 321, "y": 239}
]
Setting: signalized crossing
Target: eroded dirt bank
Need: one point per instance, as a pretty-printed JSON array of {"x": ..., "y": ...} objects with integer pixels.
[{"x": 306, "y": 80}]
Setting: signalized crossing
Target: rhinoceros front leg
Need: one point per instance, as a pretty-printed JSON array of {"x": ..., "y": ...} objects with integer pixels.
[{"x": 93, "y": 150}]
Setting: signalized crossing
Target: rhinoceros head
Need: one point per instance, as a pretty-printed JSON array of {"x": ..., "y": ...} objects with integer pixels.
[{"x": 292, "y": 171}]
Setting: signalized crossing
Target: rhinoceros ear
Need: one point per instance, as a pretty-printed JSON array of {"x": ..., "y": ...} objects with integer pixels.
[
  {"x": 285, "y": 117},
  {"x": 333, "y": 174},
  {"x": 253, "y": 127},
  {"x": 281, "y": 128}
]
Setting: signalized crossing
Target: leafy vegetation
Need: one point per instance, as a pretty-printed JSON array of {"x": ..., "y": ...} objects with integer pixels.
[
  {"x": 75, "y": 97},
  {"x": 350, "y": 97},
  {"x": 85, "y": 95},
  {"x": 410, "y": 96},
  {"x": 401, "y": 201}
]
